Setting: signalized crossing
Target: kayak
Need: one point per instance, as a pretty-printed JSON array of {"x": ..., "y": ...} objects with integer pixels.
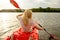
[{"x": 19, "y": 35}]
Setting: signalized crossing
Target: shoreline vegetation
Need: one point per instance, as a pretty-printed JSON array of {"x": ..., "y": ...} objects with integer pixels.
[{"x": 40, "y": 9}]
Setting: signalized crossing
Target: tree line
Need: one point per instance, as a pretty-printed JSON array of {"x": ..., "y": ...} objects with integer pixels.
[
  {"x": 40, "y": 9},
  {"x": 48, "y": 9}
]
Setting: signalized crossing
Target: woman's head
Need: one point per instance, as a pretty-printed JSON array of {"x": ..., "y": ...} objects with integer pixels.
[
  {"x": 26, "y": 16},
  {"x": 28, "y": 13}
]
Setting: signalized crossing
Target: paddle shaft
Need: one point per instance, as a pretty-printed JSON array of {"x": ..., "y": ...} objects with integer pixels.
[{"x": 44, "y": 29}]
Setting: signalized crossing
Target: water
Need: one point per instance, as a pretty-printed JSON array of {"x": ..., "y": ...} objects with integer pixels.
[{"x": 50, "y": 21}]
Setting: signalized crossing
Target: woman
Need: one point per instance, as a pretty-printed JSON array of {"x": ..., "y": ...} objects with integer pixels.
[{"x": 29, "y": 28}]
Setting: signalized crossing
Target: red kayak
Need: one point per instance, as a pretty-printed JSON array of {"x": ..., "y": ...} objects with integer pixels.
[{"x": 19, "y": 35}]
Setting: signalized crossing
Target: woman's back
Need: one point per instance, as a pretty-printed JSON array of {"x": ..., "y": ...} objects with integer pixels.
[{"x": 26, "y": 28}]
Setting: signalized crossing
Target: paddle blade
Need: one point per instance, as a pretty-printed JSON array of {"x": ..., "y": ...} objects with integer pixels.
[
  {"x": 54, "y": 37},
  {"x": 14, "y": 3}
]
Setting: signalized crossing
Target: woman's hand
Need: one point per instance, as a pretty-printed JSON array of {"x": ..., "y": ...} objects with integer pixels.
[{"x": 54, "y": 37}]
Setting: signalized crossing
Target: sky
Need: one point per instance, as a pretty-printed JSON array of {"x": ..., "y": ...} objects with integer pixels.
[{"x": 25, "y": 4}]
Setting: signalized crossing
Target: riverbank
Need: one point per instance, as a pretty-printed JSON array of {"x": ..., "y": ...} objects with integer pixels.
[{"x": 48, "y": 9}]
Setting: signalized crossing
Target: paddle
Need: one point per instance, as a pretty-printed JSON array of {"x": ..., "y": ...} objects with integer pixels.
[
  {"x": 15, "y": 4},
  {"x": 51, "y": 35}
]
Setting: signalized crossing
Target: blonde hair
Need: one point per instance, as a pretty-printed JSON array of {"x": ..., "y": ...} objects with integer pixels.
[{"x": 27, "y": 15}]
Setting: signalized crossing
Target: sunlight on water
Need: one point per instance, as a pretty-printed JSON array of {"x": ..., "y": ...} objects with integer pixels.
[
  {"x": 4, "y": 17},
  {"x": 7, "y": 21}
]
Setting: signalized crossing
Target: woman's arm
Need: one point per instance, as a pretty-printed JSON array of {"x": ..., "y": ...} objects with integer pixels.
[
  {"x": 39, "y": 27},
  {"x": 19, "y": 15}
]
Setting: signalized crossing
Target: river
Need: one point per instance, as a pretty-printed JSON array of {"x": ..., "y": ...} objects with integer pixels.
[{"x": 50, "y": 21}]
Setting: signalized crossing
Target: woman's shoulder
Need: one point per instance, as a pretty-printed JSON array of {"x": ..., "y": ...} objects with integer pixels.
[{"x": 34, "y": 21}]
